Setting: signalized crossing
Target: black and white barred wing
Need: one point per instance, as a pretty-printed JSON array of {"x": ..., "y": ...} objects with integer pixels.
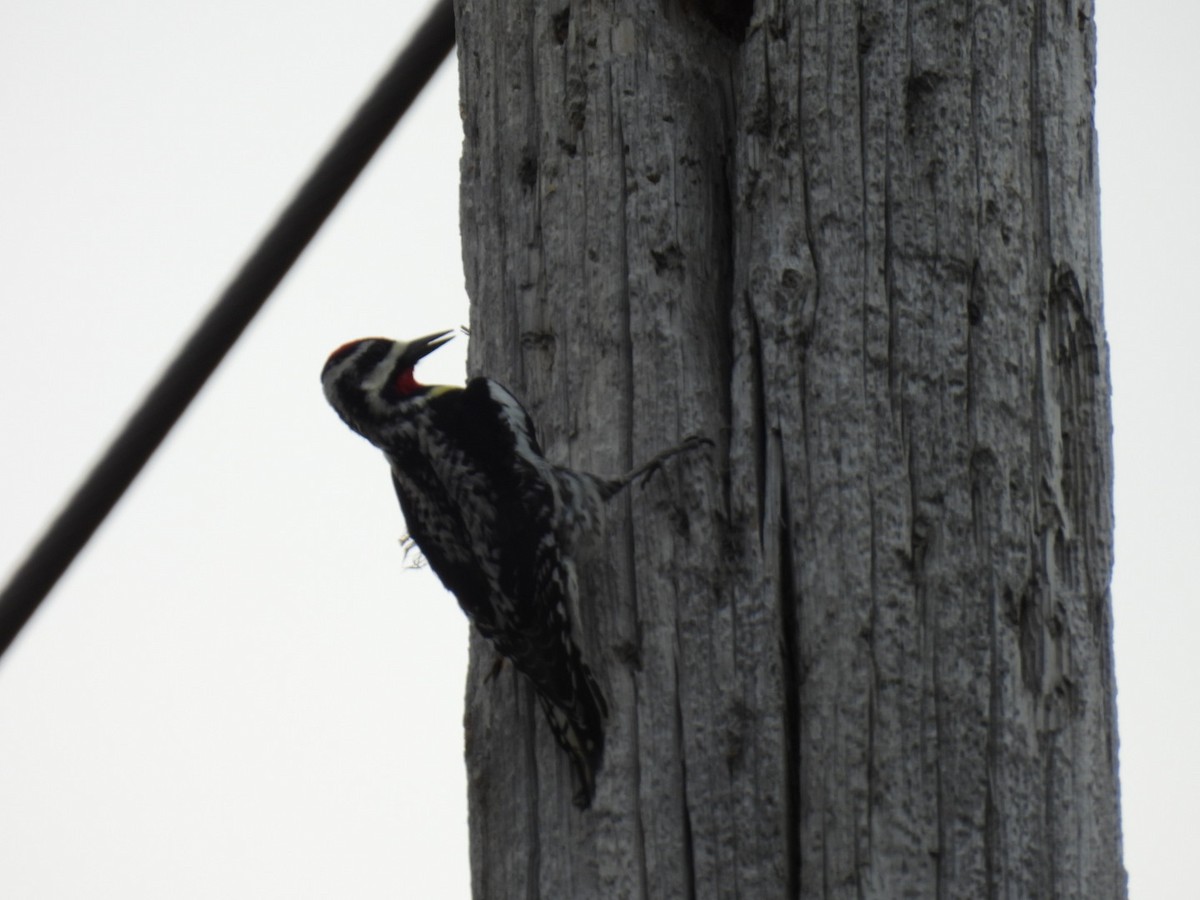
[
  {"x": 436, "y": 526},
  {"x": 537, "y": 578}
]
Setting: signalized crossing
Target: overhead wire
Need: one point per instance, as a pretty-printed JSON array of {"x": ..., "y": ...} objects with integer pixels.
[{"x": 237, "y": 305}]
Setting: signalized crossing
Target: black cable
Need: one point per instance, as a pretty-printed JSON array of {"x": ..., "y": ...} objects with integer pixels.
[{"x": 232, "y": 312}]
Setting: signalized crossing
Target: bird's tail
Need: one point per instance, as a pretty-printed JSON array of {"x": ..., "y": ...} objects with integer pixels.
[{"x": 578, "y": 727}]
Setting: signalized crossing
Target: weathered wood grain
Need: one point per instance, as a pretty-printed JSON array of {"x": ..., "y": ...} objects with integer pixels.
[{"x": 863, "y": 648}]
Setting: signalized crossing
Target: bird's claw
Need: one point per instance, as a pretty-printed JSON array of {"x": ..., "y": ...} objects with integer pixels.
[{"x": 691, "y": 442}]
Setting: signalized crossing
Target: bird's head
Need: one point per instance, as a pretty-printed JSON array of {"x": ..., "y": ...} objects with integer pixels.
[{"x": 370, "y": 381}]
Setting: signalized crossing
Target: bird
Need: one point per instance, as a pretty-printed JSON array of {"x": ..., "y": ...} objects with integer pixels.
[{"x": 495, "y": 520}]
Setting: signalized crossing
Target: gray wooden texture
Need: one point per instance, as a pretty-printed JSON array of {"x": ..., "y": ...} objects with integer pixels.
[{"x": 862, "y": 648}]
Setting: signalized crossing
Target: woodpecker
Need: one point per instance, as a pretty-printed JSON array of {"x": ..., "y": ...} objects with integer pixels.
[{"x": 494, "y": 519}]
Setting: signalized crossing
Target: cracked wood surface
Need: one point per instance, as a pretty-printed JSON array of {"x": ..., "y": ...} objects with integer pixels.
[{"x": 862, "y": 648}]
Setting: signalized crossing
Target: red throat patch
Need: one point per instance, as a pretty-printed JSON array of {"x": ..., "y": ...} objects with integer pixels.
[{"x": 406, "y": 383}]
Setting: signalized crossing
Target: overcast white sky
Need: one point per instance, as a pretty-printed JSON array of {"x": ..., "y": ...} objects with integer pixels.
[{"x": 239, "y": 691}]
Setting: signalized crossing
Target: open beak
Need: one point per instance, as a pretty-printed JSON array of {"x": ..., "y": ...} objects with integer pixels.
[{"x": 423, "y": 346}]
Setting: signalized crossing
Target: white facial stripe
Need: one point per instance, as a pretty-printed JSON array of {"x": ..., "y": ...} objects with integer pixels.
[
  {"x": 333, "y": 376},
  {"x": 377, "y": 380},
  {"x": 369, "y": 388}
]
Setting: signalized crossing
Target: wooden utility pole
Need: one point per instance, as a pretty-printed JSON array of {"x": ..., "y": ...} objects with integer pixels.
[{"x": 863, "y": 647}]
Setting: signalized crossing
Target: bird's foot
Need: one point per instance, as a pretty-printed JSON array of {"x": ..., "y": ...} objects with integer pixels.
[{"x": 649, "y": 469}]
